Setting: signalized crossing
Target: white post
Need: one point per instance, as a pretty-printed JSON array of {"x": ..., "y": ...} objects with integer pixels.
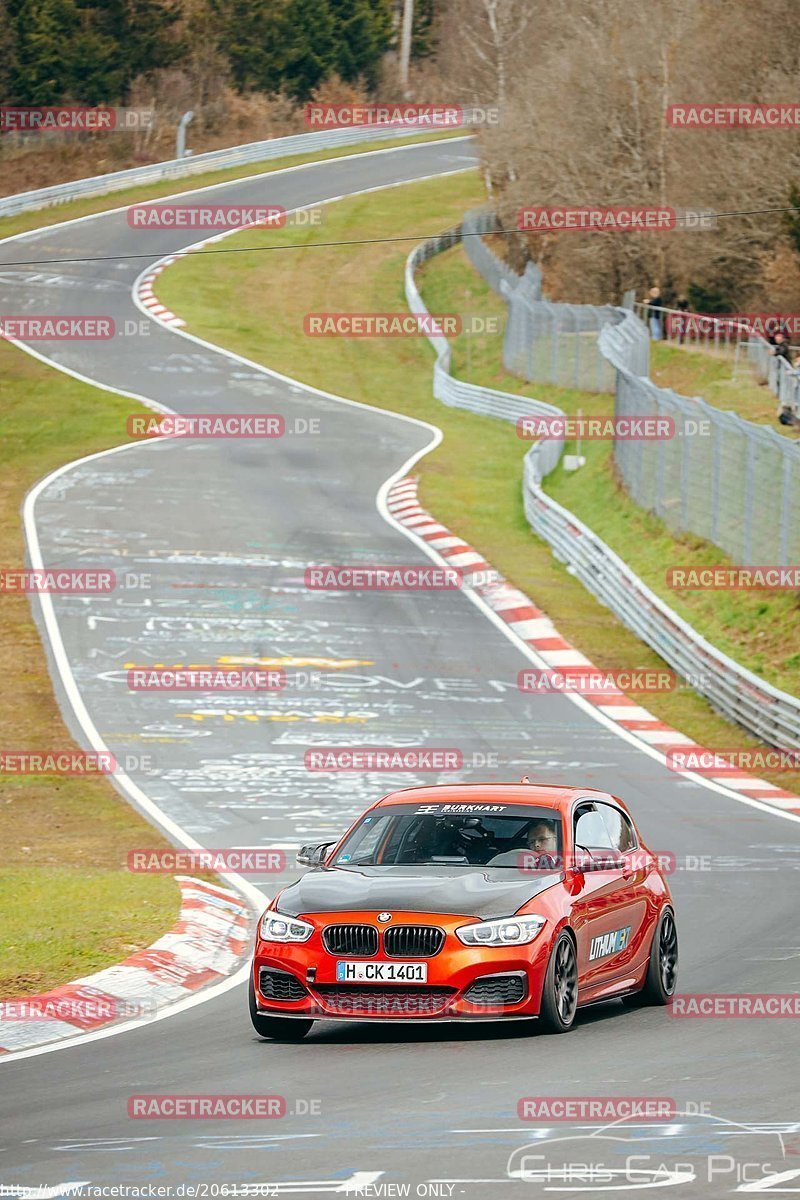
[
  {"x": 405, "y": 44},
  {"x": 180, "y": 139}
]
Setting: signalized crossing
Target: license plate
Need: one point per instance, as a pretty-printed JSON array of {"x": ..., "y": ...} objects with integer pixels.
[{"x": 381, "y": 972}]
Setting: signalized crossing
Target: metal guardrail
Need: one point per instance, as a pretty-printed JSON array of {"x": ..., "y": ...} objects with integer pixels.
[
  {"x": 765, "y": 711},
  {"x": 198, "y": 164},
  {"x": 498, "y": 274},
  {"x": 458, "y": 393},
  {"x": 731, "y": 482},
  {"x": 769, "y": 714},
  {"x": 733, "y": 335}
]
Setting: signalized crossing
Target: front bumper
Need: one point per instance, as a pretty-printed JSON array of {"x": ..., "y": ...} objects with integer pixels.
[{"x": 465, "y": 983}]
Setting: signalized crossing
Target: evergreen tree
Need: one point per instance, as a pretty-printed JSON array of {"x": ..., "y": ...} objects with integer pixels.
[
  {"x": 252, "y": 36},
  {"x": 363, "y": 31},
  {"x": 8, "y": 54},
  {"x": 422, "y": 29},
  {"x": 311, "y": 46},
  {"x": 44, "y": 31}
]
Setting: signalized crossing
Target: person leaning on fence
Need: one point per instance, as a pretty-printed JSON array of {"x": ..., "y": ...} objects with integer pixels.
[
  {"x": 682, "y": 306},
  {"x": 780, "y": 349},
  {"x": 787, "y": 409},
  {"x": 655, "y": 307}
]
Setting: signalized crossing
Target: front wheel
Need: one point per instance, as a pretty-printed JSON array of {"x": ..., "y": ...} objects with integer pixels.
[
  {"x": 662, "y": 969},
  {"x": 280, "y": 1029},
  {"x": 560, "y": 992}
]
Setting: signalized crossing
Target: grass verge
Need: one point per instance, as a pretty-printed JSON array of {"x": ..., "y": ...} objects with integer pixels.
[
  {"x": 472, "y": 481},
  {"x": 718, "y": 381},
  {"x": 68, "y": 905}
]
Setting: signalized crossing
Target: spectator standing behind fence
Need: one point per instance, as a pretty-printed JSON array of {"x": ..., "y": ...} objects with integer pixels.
[
  {"x": 787, "y": 408},
  {"x": 780, "y": 348},
  {"x": 682, "y": 305},
  {"x": 655, "y": 308}
]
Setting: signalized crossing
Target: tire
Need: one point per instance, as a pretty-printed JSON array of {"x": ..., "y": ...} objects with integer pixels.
[
  {"x": 280, "y": 1029},
  {"x": 662, "y": 969},
  {"x": 560, "y": 991}
]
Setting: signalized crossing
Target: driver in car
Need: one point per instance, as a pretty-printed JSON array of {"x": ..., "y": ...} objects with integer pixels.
[{"x": 541, "y": 845}]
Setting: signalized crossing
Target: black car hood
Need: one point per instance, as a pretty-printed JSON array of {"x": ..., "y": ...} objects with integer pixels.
[{"x": 467, "y": 891}]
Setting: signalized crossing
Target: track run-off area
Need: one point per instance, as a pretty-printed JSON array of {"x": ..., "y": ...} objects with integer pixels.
[{"x": 224, "y": 530}]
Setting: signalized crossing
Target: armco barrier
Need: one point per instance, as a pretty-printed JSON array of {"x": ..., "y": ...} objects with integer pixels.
[
  {"x": 213, "y": 160},
  {"x": 457, "y": 393},
  {"x": 769, "y": 714},
  {"x": 733, "y": 483}
]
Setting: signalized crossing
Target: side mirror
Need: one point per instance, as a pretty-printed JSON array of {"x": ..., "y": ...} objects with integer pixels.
[
  {"x": 581, "y": 861},
  {"x": 312, "y": 856}
]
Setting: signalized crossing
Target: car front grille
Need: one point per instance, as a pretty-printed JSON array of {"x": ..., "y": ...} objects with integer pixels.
[
  {"x": 376, "y": 1001},
  {"x": 496, "y": 991},
  {"x": 358, "y": 940},
  {"x": 279, "y": 985},
  {"x": 412, "y": 941}
]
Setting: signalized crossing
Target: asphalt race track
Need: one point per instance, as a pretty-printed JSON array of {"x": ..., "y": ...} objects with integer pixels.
[{"x": 224, "y": 529}]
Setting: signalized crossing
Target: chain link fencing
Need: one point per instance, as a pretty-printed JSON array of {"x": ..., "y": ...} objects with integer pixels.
[
  {"x": 545, "y": 342},
  {"x": 739, "y": 694},
  {"x": 731, "y": 482}
]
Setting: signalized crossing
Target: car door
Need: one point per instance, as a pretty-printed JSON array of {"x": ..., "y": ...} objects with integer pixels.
[{"x": 606, "y": 915}]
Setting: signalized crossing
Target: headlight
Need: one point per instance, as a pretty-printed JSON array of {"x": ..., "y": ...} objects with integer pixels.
[
  {"x": 277, "y": 928},
  {"x": 508, "y": 931}
]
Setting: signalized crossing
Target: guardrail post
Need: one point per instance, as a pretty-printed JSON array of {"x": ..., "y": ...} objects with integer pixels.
[
  {"x": 749, "y": 487},
  {"x": 716, "y": 470},
  {"x": 686, "y": 458},
  {"x": 180, "y": 136},
  {"x": 786, "y": 514}
]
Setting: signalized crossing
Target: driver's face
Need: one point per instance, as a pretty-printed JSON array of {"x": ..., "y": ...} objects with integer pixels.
[{"x": 542, "y": 837}]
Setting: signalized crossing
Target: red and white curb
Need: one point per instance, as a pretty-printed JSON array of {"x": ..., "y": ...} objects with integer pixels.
[
  {"x": 207, "y": 943},
  {"x": 536, "y": 629},
  {"x": 144, "y": 292}
]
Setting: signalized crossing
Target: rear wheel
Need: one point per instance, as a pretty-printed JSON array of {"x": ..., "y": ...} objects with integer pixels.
[
  {"x": 560, "y": 992},
  {"x": 280, "y": 1029},
  {"x": 662, "y": 969}
]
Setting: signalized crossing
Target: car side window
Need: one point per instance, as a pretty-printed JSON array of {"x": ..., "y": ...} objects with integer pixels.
[
  {"x": 591, "y": 830},
  {"x": 620, "y": 829}
]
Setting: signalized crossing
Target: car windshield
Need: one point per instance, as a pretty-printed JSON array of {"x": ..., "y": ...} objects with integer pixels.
[{"x": 510, "y": 836}]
